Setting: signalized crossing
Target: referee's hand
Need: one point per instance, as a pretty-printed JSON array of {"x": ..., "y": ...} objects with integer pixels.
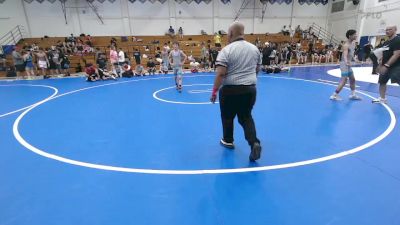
[{"x": 213, "y": 98}]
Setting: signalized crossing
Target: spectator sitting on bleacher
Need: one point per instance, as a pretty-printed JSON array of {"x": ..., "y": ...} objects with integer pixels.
[
  {"x": 139, "y": 71},
  {"x": 322, "y": 55},
  {"x": 89, "y": 40},
  {"x": 71, "y": 39},
  {"x": 291, "y": 31},
  {"x": 285, "y": 31},
  {"x": 113, "y": 42},
  {"x": 298, "y": 30},
  {"x": 151, "y": 66},
  {"x": 329, "y": 54},
  {"x": 87, "y": 49},
  {"x": 78, "y": 47}
]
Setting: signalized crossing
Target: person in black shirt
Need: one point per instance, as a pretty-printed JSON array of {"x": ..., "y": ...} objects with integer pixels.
[
  {"x": 137, "y": 54},
  {"x": 101, "y": 61},
  {"x": 214, "y": 53},
  {"x": 340, "y": 51},
  {"x": 64, "y": 63},
  {"x": 265, "y": 55},
  {"x": 151, "y": 66},
  {"x": 390, "y": 65},
  {"x": 171, "y": 30},
  {"x": 367, "y": 50}
]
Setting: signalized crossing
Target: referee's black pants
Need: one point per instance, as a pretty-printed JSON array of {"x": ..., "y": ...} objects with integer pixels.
[{"x": 238, "y": 100}]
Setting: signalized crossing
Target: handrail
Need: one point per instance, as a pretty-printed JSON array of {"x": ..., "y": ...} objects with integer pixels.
[
  {"x": 12, "y": 37},
  {"x": 325, "y": 35}
]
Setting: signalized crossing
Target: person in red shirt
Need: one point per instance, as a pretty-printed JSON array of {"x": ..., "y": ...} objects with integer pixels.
[
  {"x": 91, "y": 72},
  {"x": 95, "y": 74}
]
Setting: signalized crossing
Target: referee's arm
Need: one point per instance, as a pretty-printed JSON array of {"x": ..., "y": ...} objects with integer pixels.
[{"x": 220, "y": 75}]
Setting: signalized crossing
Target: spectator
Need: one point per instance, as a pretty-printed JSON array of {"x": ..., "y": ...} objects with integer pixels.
[
  {"x": 291, "y": 31},
  {"x": 340, "y": 51},
  {"x": 54, "y": 59},
  {"x": 65, "y": 63},
  {"x": 137, "y": 56},
  {"x": 214, "y": 54},
  {"x": 42, "y": 61},
  {"x": 28, "y": 63},
  {"x": 95, "y": 74},
  {"x": 101, "y": 61},
  {"x": 266, "y": 52},
  {"x": 285, "y": 31},
  {"x": 151, "y": 66},
  {"x": 18, "y": 61},
  {"x": 165, "y": 58},
  {"x": 171, "y": 30},
  {"x": 139, "y": 71},
  {"x": 217, "y": 40},
  {"x": 121, "y": 59},
  {"x": 114, "y": 59},
  {"x": 127, "y": 71},
  {"x": 203, "y": 54},
  {"x": 89, "y": 40},
  {"x": 180, "y": 32},
  {"x": 367, "y": 51},
  {"x": 3, "y": 66},
  {"x": 298, "y": 30},
  {"x": 113, "y": 42},
  {"x": 329, "y": 54},
  {"x": 71, "y": 39}
]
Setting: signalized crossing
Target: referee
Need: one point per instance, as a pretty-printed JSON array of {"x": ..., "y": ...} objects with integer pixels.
[
  {"x": 237, "y": 66},
  {"x": 390, "y": 65}
]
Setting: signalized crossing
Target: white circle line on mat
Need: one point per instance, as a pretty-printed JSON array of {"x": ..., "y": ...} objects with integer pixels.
[
  {"x": 38, "y": 151},
  {"x": 184, "y": 103},
  {"x": 26, "y": 107}
]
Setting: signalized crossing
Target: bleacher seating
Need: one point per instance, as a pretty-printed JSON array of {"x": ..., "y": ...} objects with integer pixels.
[{"x": 190, "y": 44}]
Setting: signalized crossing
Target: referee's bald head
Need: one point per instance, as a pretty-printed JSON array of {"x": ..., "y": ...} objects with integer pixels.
[
  {"x": 236, "y": 30},
  {"x": 391, "y": 30}
]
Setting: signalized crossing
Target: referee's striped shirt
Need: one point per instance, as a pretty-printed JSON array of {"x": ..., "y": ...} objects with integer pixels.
[{"x": 241, "y": 59}]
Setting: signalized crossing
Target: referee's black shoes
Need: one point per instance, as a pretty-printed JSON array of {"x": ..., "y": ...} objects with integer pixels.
[
  {"x": 255, "y": 152},
  {"x": 229, "y": 145}
]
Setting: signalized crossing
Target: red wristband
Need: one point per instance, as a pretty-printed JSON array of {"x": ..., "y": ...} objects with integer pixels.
[{"x": 214, "y": 91}]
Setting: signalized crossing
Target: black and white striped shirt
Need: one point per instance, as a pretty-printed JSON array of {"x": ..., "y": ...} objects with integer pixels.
[{"x": 241, "y": 59}]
